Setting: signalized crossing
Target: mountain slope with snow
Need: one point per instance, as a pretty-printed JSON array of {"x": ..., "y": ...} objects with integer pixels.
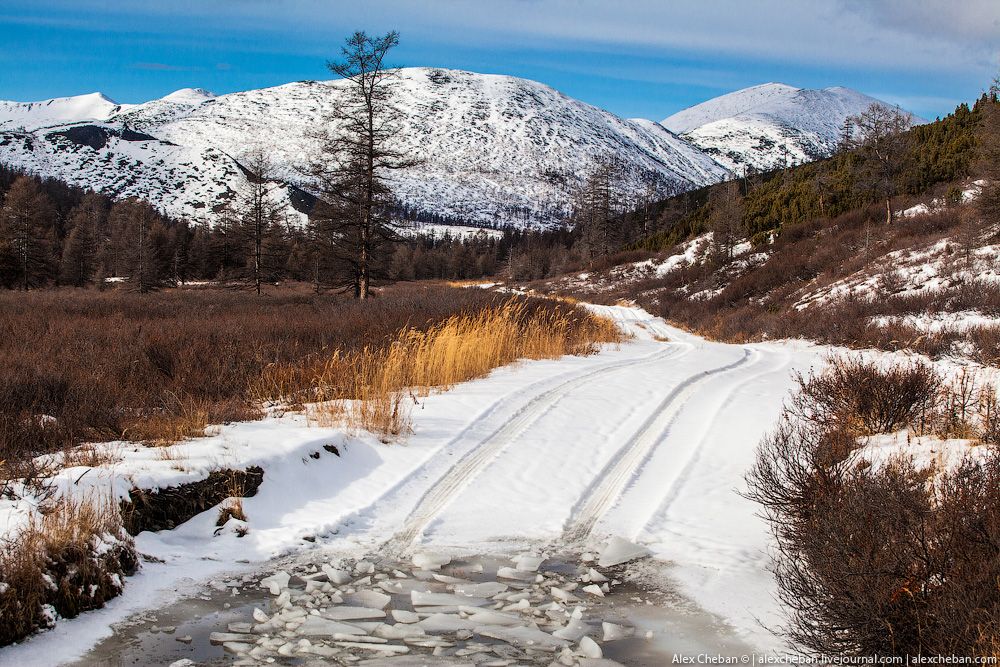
[
  {"x": 492, "y": 149},
  {"x": 769, "y": 126}
]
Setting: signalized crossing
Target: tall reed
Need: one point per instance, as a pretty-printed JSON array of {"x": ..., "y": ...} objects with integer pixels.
[{"x": 368, "y": 388}]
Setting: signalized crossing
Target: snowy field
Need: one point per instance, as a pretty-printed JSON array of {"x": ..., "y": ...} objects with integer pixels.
[{"x": 648, "y": 440}]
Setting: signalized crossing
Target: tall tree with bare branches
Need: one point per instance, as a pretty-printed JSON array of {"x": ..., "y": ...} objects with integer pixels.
[
  {"x": 353, "y": 219},
  {"x": 257, "y": 215},
  {"x": 879, "y": 135}
]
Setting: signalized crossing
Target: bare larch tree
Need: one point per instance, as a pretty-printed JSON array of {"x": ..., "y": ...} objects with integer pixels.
[
  {"x": 257, "y": 215},
  {"x": 879, "y": 135},
  {"x": 353, "y": 219}
]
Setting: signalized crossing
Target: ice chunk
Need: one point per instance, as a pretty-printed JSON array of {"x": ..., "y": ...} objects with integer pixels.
[
  {"x": 614, "y": 632},
  {"x": 359, "y": 638},
  {"x": 619, "y": 550},
  {"x": 573, "y": 631},
  {"x": 400, "y": 631},
  {"x": 517, "y": 575},
  {"x": 352, "y": 613},
  {"x": 594, "y": 589},
  {"x": 364, "y": 567},
  {"x": 596, "y": 576},
  {"x": 419, "y": 598},
  {"x": 276, "y": 583},
  {"x": 527, "y": 563},
  {"x": 590, "y": 649},
  {"x": 522, "y": 637},
  {"x": 430, "y": 561},
  {"x": 317, "y": 626},
  {"x": 335, "y": 576},
  {"x": 223, "y": 637},
  {"x": 237, "y": 648},
  {"x": 382, "y": 648},
  {"x": 437, "y": 623},
  {"x": 416, "y": 661},
  {"x": 403, "y": 616},
  {"x": 562, "y": 595},
  {"x": 490, "y": 617},
  {"x": 371, "y": 599},
  {"x": 487, "y": 589}
]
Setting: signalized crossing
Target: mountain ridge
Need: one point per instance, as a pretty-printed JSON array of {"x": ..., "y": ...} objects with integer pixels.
[{"x": 496, "y": 150}]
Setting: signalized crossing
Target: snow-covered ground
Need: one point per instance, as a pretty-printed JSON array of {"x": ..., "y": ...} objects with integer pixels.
[{"x": 648, "y": 440}]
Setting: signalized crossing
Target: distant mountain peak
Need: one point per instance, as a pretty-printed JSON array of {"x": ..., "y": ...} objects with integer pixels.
[
  {"x": 189, "y": 96},
  {"x": 769, "y": 126}
]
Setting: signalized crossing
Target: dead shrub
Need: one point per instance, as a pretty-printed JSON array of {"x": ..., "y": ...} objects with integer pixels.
[
  {"x": 889, "y": 559},
  {"x": 861, "y": 397}
]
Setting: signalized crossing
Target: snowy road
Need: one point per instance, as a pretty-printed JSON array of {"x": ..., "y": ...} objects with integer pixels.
[{"x": 649, "y": 441}]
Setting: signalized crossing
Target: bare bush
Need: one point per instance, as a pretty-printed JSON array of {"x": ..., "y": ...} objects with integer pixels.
[
  {"x": 889, "y": 559},
  {"x": 861, "y": 397}
]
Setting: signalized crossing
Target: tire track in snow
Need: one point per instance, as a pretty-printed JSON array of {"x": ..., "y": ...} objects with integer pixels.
[
  {"x": 440, "y": 495},
  {"x": 661, "y": 514},
  {"x": 612, "y": 481},
  {"x": 697, "y": 452}
]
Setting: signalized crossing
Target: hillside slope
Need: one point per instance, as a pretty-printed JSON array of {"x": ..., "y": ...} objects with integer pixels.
[{"x": 493, "y": 149}]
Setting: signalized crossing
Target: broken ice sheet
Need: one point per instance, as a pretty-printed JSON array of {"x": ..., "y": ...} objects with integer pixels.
[{"x": 620, "y": 550}]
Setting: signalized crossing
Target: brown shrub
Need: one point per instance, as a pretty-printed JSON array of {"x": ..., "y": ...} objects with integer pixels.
[
  {"x": 80, "y": 366},
  {"x": 889, "y": 559},
  {"x": 861, "y": 397}
]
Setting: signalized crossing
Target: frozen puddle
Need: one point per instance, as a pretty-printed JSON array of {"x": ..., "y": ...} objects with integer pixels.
[{"x": 530, "y": 609}]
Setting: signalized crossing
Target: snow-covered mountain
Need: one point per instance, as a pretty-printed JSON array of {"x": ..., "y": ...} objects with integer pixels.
[
  {"x": 768, "y": 126},
  {"x": 493, "y": 149}
]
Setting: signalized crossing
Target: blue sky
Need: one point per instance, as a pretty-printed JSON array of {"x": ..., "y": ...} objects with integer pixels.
[{"x": 637, "y": 58}]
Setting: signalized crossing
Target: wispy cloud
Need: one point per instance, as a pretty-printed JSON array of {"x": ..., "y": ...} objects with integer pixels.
[{"x": 163, "y": 67}]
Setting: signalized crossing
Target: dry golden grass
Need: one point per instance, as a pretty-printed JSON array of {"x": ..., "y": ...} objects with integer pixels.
[
  {"x": 61, "y": 559},
  {"x": 89, "y": 455},
  {"x": 367, "y": 389}
]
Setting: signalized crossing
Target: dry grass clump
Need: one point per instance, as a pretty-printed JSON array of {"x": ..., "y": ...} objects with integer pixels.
[
  {"x": 71, "y": 559},
  {"x": 232, "y": 507},
  {"x": 889, "y": 559},
  {"x": 368, "y": 388}
]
